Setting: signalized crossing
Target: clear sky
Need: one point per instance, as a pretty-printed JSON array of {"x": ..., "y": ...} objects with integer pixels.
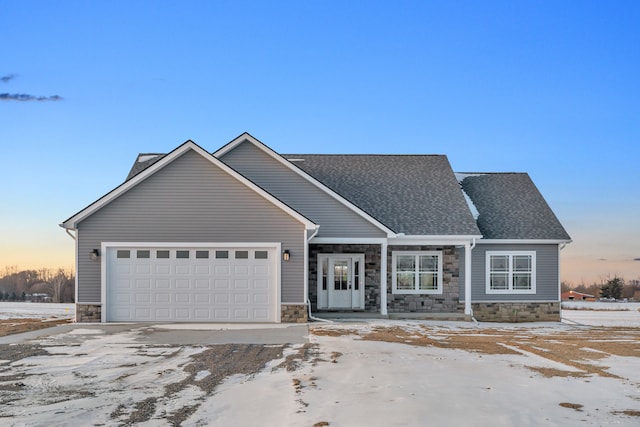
[{"x": 551, "y": 88}]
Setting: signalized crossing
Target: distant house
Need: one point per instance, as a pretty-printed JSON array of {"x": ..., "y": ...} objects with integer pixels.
[
  {"x": 576, "y": 296},
  {"x": 245, "y": 234}
]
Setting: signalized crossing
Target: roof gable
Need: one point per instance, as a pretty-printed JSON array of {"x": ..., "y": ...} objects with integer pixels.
[
  {"x": 163, "y": 160},
  {"x": 246, "y": 138},
  {"x": 511, "y": 207}
]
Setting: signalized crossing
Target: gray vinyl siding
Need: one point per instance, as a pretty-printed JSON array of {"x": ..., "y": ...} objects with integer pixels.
[
  {"x": 334, "y": 218},
  {"x": 191, "y": 200},
  {"x": 547, "y": 282}
]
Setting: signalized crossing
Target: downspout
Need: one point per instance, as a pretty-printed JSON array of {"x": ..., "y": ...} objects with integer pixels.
[
  {"x": 383, "y": 278},
  {"x": 306, "y": 277},
  {"x": 66, "y": 230},
  {"x": 468, "y": 247},
  {"x": 75, "y": 297}
]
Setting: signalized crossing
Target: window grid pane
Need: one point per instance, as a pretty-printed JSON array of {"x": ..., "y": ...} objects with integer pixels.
[
  {"x": 499, "y": 281},
  {"x": 428, "y": 282}
]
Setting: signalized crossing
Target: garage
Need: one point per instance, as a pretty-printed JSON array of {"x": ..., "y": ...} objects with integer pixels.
[{"x": 192, "y": 283}]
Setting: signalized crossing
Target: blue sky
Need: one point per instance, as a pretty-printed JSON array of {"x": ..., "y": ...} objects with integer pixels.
[{"x": 546, "y": 87}]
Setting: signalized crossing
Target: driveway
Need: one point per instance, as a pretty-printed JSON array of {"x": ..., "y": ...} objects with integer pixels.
[
  {"x": 374, "y": 373},
  {"x": 174, "y": 334}
]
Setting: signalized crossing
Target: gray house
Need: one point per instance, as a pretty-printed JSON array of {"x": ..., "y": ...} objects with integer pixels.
[{"x": 245, "y": 234}]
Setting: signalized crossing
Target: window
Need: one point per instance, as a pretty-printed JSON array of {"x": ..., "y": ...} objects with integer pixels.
[
  {"x": 242, "y": 254},
  {"x": 222, "y": 254},
  {"x": 202, "y": 254},
  {"x": 143, "y": 253},
  {"x": 182, "y": 254},
  {"x": 162, "y": 254},
  {"x": 417, "y": 272},
  {"x": 261, "y": 255},
  {"x": 123, "y": 253},
  {"x": 511, "y": 272}
]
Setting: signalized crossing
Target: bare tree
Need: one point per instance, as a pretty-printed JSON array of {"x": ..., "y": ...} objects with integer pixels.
[{"x": 55, "y": 281}]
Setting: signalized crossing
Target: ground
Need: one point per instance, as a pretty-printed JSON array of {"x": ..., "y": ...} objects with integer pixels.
[{"x": 375, "y": 373}]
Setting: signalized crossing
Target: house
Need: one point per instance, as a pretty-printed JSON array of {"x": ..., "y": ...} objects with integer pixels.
[
  {"x": 572, "y": 295},
  {"x": 246, "y": 234}
]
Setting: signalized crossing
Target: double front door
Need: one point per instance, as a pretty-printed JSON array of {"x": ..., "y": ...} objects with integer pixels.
[{"x": 341, "y": 281}]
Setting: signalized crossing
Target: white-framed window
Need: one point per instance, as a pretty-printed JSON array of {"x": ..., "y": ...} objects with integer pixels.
[
  {"x": 511, "y": 272},
  {"x": 416, "y": 272}
]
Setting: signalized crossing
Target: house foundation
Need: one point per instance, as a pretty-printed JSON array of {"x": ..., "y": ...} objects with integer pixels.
[{"x": 515, "y": 312}]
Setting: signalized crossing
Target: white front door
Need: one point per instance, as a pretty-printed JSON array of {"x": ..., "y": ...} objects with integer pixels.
[{"x": 341, "y": 281}]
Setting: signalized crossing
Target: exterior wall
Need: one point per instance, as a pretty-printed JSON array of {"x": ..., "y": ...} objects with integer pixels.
[
  {"x": 371, "y": 271},
  {"x": 447, "y": 302},
  {"x": 334, "y": 218},
  {"x": 547, "y": 273},
  {"x": 294, "y": 313},
  {"x": 190, "y": 200},
  {"x": 517, "y": 312},
  {"x": 88, "y": 313}
]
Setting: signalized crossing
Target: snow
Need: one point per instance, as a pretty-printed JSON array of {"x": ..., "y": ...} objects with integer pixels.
[
  {"x": 89, "y": 374},
  {"x": 622, "y": 314},
  {"x": 23, "y": 310}
]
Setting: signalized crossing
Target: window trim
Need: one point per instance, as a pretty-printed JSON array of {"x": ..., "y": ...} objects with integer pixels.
[
  {"x": 510, "y": 290},
  {"x": 416, "y": 290}
]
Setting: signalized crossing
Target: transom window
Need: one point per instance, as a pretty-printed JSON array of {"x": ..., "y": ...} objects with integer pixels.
[
  {"x": 417, "y": 272},
  {"x": 511, "y": 272}
]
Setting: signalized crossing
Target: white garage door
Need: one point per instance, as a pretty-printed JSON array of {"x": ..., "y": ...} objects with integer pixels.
[{"x": 183, "y": 284}]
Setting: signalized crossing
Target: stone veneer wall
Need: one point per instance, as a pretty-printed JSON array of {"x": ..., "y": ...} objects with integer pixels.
[
  {"x": 516, "y": 311},
  {"x": 293, "y": 313},
  {"x": 446, "y": 302},
  {"x": 371, "y": 271},
  {"x": 88, "y": 313}
]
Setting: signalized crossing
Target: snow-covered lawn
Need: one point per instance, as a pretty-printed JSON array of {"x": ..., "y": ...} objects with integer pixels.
[
  {"x": 376, "y": 373},
  {"x": 602, "y": 313},
  {"x": 22, "y": 310}
]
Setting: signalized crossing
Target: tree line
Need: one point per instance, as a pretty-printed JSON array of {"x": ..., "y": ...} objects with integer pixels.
[
  {"x": 42, "y": 285},
  {"x": 610, "y": 288}
]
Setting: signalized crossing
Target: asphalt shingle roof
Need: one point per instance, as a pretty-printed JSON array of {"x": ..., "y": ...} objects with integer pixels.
[
  {"x": 411, "y": 194},
  {"x": 511, "y": 207},
  {"x": 420, "y": 195},
  {"x": 143, "y": 161}
]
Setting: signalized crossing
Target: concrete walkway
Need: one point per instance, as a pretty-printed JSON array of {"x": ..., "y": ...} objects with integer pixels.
[{"x": 172, "y": 334}]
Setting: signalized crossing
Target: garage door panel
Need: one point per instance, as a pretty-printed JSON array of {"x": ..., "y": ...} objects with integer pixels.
[
  {"x": 162, "y": 283},
  {"x": 183, "y": 298},
  {"x": 162, "y": 314},
  {"x": 221, "y": 283},
  {"x": 183, "y": 283},
  {"x": 162, "y": 298},
  {"x": 182, "y": 269},
  {"x": 162, "y": 269},
  {"x": 192, "y": 284},
  {"x": 203, "y": 270}
]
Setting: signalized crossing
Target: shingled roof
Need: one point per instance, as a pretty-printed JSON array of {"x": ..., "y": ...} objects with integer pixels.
[
  {"x": 420, "y": 195},
  {"x": 143, "y": 161},
  {"x": 511, "y": 207},
  {"x": 411, "y": 194}
]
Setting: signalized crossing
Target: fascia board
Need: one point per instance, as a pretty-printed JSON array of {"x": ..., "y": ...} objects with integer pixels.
[
  {"x": 258, "y": 144},
  {"x": 523, "y": 241},
  {"x": 71, "y": 223}
]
